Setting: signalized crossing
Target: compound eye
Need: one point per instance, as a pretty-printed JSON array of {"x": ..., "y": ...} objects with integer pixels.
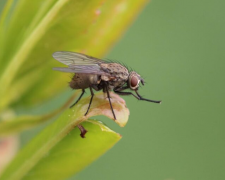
[{"x": 134, "y": 82}]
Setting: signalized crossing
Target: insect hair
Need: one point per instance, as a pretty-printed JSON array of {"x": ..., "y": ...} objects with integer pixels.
[
  {"x": 71, "y": 75},
  {"x": 116, "y": 61}
]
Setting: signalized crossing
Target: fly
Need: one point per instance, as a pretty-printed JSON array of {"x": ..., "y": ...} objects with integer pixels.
[{"x": 94, "y": 73}]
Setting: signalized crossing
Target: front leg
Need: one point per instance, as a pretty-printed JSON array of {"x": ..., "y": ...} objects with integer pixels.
[
  {"x": 149, "y": 100},
  {"x": 125, "y": 93},
  {"x": 121, "y": 88},
  {"x": 120, "y": 92}
]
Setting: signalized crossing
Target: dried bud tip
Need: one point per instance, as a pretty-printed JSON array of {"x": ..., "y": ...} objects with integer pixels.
[{"x": 83, "y": 131}]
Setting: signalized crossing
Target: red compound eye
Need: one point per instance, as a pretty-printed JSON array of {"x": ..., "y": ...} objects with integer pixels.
[{"x": 134, "y": 81}]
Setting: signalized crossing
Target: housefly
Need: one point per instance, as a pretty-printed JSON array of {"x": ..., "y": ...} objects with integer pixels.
[{"x": 94, "y": 73}]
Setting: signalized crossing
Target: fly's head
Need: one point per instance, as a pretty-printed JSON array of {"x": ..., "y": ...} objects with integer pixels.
[{"x": 134, "y": 80}]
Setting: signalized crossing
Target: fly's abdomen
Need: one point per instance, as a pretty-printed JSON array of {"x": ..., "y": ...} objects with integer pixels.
[{"x": 83, "y": 81}]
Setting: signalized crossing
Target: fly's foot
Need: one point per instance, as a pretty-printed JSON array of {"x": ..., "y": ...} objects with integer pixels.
[{"x": 83, "y": 131}]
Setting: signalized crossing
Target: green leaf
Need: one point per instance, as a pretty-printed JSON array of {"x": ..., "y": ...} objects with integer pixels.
[
  {"x": 15, "y": 125},
  {"x": 91, "y": 27},
  {"x": 59, "y": 160},
  {"x": 59, "y": 152}
]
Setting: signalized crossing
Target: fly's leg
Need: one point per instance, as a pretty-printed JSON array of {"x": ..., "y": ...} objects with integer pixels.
[
  {"x": 149, "y": 100},
  {"x": 92, "y": 95},
  {"x": 107, "y": 91},
  {"x": 126, "y": 93},
  {"x": 138, "y": 96},
  {"x": 83, "y": 131},
  {"x": 83, "y": 91},
  {"x": 120, "y": 92}
]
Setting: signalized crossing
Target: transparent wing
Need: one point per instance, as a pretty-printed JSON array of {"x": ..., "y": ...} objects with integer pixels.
[
  {"x": 87, "y": 69},
  {"x": 73, "y": 59}
]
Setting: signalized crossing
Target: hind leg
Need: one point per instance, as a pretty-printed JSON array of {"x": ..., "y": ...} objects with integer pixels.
[
  {"x": 92, "y": 95},
  {"x": 83, "y": 91}
]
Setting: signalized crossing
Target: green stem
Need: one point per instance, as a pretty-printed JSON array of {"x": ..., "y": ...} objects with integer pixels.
[
  {"x": 22, "y": 123},
  {"x": 18, "y": 59},
  {"x": 3, "y": 16}
]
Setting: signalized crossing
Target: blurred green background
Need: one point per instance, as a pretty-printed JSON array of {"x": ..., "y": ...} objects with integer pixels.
[{"x": 178, "y": 47}]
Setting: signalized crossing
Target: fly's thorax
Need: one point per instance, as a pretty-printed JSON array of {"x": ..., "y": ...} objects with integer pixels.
[
  {"x": 134, "y": 80},
  {"x": 83, "y": 80},
  {"x": 116, "y": 71}
]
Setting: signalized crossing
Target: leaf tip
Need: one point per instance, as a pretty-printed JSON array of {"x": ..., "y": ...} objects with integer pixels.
[{"x": 101, "y": 106}]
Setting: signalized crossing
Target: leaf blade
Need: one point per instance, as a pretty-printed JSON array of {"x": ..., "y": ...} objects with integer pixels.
[
  {"x": 33, "y": 157},
  {"x": 95, "y": 144}
]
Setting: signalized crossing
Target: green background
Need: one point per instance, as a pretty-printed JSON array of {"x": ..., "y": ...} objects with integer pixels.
[{"x": 178, "y": 47}]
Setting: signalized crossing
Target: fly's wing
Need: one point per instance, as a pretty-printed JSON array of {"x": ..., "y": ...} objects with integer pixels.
[
  {"x": 87, "y": 69},
  {"x": 73, "y": 59},
  {"x": 78, "y": 63}
]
